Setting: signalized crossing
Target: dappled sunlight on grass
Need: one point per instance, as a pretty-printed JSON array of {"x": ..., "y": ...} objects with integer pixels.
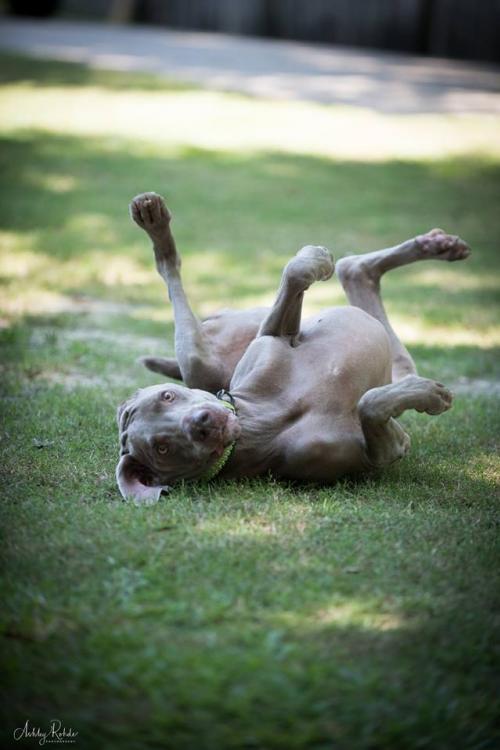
[
  {"x": 16, "y": 260},
  {"x": 38, "y": 283},
  {"x": 484, "y": 467},
  {"x": 29, "y": 301},
  {"x": 237, "y": 220},
  {"x": 359, "y": 613},
  {"x": 240, "y": 124},
  {"x": 208, "y": 266},
  {"x": 97, "y": 226},
  {"x": 456, "y": 279},
  {"x": 118, "y": 270},
  {"x": 158, "y": 314},
  {"x": 414, "y": 331},
  {"x": 55, "y": 183}
]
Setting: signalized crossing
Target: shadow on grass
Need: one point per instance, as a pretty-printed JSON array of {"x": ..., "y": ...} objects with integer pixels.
[
  {"x": 362, "y": 621},
  {"x": 16, "y": 69},
  {"x": 269, "y": 689}
]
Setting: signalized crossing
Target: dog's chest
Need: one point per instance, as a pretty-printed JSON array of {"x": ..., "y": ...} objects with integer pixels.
[
  {"x": 266, "y": 369},
  {"x": 290, "y": 381}
]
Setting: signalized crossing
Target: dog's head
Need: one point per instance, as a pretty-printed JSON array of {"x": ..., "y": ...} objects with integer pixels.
[{"x": 169, "y": 433}]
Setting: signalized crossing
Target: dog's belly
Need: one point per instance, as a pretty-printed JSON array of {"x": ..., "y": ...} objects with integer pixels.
[
  {"x": 340, "y": 354},
  {"x": 298, "y": 404}
]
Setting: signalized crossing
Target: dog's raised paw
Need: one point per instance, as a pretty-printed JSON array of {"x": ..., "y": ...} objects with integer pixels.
[
  {"x": 439, "y": 245},
  {"x": 149, "y": 211},
  {"x": 314, "y": 262},
  {"x": 428, "y": 395}
]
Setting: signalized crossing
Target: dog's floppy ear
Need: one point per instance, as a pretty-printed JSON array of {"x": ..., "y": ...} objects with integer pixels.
[
  {"x": 123, "y": 413},
  {"x": 133, "y": 482}
]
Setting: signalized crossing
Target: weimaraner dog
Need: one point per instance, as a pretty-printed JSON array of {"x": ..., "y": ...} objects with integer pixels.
[{"x": 266, "y": 392}]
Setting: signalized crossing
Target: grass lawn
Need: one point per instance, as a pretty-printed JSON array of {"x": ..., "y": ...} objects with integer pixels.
[{"x": 251, "y": 614}]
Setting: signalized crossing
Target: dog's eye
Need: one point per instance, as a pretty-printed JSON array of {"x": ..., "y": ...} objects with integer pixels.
[
  {"x": 162, "y": 449},
  {"x": 167, "y": 396}
]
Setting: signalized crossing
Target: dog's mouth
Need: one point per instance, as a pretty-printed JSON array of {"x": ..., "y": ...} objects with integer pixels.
[{"x": 227, "y": 432}]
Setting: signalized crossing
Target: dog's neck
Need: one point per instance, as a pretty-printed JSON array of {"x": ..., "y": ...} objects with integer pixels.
[{"x": 257, "y": 449}]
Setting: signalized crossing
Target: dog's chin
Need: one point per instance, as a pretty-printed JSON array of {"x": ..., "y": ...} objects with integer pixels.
[{"x": 232, "y": 430}]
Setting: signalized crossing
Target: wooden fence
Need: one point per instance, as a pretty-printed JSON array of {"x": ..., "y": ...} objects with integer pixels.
[{"x": 453, "y": 28}]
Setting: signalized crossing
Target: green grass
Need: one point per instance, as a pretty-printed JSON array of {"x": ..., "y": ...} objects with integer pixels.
[{"x": 251, "y": 614}]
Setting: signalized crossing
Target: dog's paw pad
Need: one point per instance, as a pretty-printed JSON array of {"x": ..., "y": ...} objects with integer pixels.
[
  {"x": 436, "y": 399},
  {"x": 438, "y": 245},
  {"x": 149, "y": 211}
]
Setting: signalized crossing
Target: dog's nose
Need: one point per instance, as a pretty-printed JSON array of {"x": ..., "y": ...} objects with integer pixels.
[{"x": 200, "y": 424}]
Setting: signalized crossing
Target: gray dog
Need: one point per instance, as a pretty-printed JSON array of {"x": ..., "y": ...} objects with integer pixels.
[{"x": 267, "y": 392}]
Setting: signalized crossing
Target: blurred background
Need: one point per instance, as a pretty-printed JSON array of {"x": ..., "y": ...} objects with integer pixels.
[{"x": 450, "y": 28}]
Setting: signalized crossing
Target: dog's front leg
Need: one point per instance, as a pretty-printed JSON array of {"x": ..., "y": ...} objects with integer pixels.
[
  {"x": 386, "y": 441},
  {"x": 197, "y": 366},
  {"x": 312, "y": 263}
]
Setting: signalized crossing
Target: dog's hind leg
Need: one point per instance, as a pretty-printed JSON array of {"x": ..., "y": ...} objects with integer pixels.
[
  {"x": 197, "y": 364},
  {"x": 312, "y": 263},
  {"x": 360, "y": 276},
  {"x": 378, "y": 409}
]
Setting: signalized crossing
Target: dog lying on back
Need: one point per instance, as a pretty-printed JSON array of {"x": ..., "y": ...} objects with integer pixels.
[{"x": 267, "y": 392}]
